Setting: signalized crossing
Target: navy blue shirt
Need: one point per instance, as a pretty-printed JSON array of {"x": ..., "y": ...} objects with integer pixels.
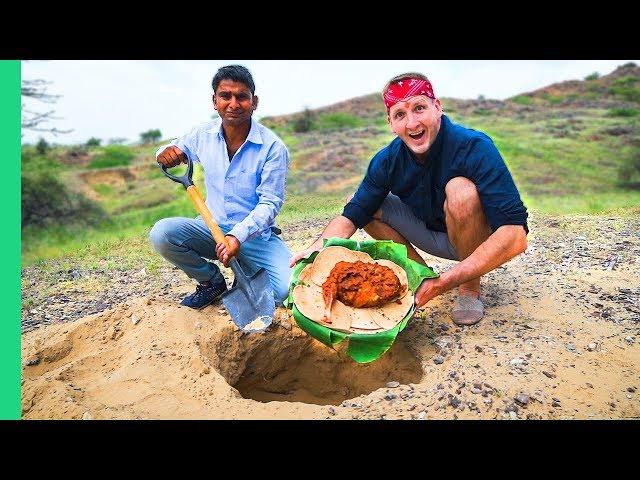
[{"x": 456, "y": 152}]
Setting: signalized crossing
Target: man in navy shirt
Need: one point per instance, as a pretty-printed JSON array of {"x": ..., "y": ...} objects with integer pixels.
[{"x": 441, "y": 187}]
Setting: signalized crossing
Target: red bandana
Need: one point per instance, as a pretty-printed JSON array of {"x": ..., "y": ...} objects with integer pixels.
[{"x": 403, "y": 89}]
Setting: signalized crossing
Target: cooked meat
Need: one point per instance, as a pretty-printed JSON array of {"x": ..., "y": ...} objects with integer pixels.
[{"x": 359, "y": 284}]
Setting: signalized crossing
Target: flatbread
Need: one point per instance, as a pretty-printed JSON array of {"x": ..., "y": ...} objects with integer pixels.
[
  {"x": 308, "y": 299},
  {"x": 307, "y": 296}
]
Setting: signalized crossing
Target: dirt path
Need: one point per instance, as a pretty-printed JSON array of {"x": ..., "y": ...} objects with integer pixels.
[{"x": 560, "y": 339}]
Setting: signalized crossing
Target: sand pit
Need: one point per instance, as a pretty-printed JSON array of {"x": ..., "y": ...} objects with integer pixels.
[{"x": 158, "y": 360}]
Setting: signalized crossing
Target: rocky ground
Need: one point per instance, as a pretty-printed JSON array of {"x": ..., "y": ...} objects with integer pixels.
[{"x": 560, "y": 339}]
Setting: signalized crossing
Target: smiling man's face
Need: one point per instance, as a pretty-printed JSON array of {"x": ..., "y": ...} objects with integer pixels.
[
  {"x": 234, "y": 102},
  {"x": 416, "y": 121}
]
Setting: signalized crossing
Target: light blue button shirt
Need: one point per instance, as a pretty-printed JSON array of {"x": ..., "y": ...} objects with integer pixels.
[{"x": 244, "y": 194}]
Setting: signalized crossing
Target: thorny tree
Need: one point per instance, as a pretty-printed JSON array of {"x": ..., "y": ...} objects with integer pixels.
[{"x": 31, "y": 120}]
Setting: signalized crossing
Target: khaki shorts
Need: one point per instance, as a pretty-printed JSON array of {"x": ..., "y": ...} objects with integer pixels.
[{"x": 399, "y": 216}]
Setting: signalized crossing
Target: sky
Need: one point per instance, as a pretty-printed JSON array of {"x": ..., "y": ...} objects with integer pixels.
[{"x": 110, "y": 99}]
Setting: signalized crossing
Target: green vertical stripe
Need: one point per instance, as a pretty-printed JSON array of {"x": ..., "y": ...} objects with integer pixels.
[{"x": 10, "y": 264}]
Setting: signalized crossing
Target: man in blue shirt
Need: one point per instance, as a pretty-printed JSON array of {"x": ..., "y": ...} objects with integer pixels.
[
  {"x": 441, "y": 187},
  {"x": 245, "y": 166}
]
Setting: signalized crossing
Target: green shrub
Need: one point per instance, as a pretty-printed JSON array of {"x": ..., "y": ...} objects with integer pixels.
[
  {"x": 112, "y": 156},
  {"x": 522, "y": 100},
  {"x": 48, "y": 201},
  {"x": 93, "y": 142},
  {"x": 626, "y": 87},
  {"x": 623, "y": 112},
  {"x": 593, "y": 76},
  {"x": 338, "y": 120},
  {"x": 304, "y": 122},
  {"x": 42, "y": 146}
]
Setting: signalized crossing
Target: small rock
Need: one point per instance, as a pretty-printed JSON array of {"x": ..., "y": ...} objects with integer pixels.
[
  {"x": 393, "y": 384},
  {"x": 476, "y": 390},
  {"x": 522, "y": 399},
  {"x": 197, "y": 325},
  {"x": 390, "y": 396},
  {"x": 549, "y": 374},
  {"x": 592, "y": 346},
  {"x": 286, "y": 325},
  {"x": 438, "y": 359},
  {"x": 516, "y": 361},
  {"x": 421, "y": 415},
  {"x": 512, "y": 407},
  {"x": 513, "y": 415},
  {"x": 629, "y": 396},
  {"x": 454, "y": 402},
  {"x": 629, "y": 339},
  {"x": 631, "y": 389},
  {"x": 332, "y": 411},
  {"x": 135, "y": 319},
  {"x": 443, "y": 342},
  {"x": 555, "y": 404},
  {"x": 87, "y": 416},
  {"x": 34, "y": 360}
]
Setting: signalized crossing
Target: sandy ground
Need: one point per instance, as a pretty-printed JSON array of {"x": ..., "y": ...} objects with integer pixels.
[{"x": 560, "y": 340}]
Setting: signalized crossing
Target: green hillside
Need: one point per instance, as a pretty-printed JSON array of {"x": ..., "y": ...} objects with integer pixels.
[{"x": 572, "y": 147}]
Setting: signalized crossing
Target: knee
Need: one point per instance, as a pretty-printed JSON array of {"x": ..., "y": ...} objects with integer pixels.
[
  {"x": 280, "y": 292},
  {"x": 281, "y": 287},
  {"x": 159, "y": 235},
  {"x": 462, "y": 200}
]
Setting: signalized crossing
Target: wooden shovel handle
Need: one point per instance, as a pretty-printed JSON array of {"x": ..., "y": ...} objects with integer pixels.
[{"x": 203, "y": 210}]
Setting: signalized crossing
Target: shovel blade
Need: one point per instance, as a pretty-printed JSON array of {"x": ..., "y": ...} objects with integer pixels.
[{"x": 251, "y": 299}]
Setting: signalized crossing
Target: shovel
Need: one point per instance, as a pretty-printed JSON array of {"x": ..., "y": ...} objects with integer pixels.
[{"x": 250, "y": 301}]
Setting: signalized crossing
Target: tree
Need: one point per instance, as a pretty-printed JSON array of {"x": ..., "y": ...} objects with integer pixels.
[
  {"x": 150, "y": 136},
  {"x": 32, "y": 120},
  {"x": 304, "y": 121},
  {"x": 93, "y": 142},
  {"x": 42, "y": 146}
]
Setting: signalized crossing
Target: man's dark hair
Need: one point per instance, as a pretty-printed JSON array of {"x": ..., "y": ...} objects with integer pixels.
[{"x": 237, "y": 73}]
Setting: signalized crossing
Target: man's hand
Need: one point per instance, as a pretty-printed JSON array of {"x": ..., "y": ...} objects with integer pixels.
[
  {"x": 428, "y": 290},
  {"x": 296, "y": 257},
  {"x": 172, "y": 156},
  {"x": 226, "y": 254}
]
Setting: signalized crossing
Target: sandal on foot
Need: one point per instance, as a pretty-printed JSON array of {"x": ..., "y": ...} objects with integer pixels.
[{"x": 467, "y": 310}]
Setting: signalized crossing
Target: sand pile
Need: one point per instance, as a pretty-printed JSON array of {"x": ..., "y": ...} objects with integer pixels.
[{"x": 150, "y": 359}]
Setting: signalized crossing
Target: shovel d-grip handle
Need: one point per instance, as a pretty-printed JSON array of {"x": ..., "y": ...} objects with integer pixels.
[
  {"x": 186, "y": 179},
  {"x": 197, "y": 200}
]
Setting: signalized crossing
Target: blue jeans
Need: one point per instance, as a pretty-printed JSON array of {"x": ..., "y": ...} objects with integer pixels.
[{"x": 187, "y": 242}]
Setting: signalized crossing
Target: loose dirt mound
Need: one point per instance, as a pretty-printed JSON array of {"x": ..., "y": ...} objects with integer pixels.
[{"x": 158, "y": 360}]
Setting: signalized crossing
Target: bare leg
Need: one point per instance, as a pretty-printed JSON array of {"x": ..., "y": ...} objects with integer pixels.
[
  {"x": 381, "y": 231},
  {"x": 467, "y": 224}
]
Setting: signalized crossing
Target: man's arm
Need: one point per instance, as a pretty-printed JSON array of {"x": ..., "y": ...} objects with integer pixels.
[
  {"x": 340, "y": 227},
  {"x": 501, "y": 246}
]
